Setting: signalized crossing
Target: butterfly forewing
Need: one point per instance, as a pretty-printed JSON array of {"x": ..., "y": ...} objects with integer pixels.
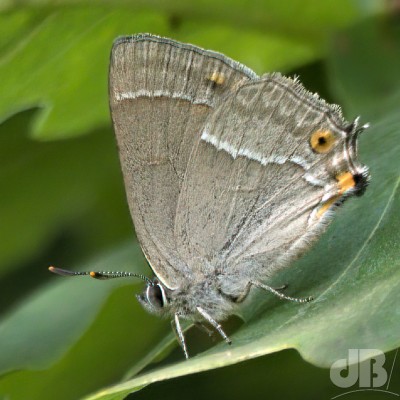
[{"x": 161, "y": 93}]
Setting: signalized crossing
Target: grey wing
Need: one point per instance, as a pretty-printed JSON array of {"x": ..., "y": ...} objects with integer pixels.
[
  {"x": 260, "y": 183},
  {"x": 161, "y": 92}
]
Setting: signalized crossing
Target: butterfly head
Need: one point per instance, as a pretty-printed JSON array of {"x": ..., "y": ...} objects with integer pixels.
[{"x": 154, "y": 298}]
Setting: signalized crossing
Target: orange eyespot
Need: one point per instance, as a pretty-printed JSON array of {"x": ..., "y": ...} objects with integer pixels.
[
  {"x": 322, "y": 141},
  {"x": 345, "y": 181}
]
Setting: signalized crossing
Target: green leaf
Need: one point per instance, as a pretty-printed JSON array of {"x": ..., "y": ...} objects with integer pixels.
[
  {"x": 266, "y": 14},
  {"x": 365, "y": 66}
]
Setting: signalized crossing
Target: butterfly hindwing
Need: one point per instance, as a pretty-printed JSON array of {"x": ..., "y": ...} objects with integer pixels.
[{"x": 254, "y": 194}]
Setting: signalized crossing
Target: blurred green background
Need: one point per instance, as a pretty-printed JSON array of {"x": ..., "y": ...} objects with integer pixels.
[{"x": 63, "y": 203}]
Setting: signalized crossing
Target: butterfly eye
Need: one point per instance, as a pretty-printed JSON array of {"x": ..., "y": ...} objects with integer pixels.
[
  {"x": 154, "y": 296},
  {"x": 322, "y": 141}
]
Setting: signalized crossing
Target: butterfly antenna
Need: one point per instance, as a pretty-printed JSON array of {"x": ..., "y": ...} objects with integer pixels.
[{"x": 102, "y": 275}]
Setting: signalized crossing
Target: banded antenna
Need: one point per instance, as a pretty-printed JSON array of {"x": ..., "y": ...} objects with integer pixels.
[{"x": 102, "y": 275}]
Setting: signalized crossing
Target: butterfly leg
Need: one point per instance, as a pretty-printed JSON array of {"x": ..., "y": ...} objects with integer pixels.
[
  {"x": 215, "y": 324},
  {"x": 176, "y": 327},
  {"x": 246, "y": 291},
  {"x": 279, "y": 294}
]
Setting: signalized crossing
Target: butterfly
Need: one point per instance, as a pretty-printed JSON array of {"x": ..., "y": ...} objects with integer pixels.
[{"x": 229, "y": 176}]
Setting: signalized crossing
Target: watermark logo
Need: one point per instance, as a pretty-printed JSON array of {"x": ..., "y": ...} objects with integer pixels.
[{"x": 363, "y": 370}]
